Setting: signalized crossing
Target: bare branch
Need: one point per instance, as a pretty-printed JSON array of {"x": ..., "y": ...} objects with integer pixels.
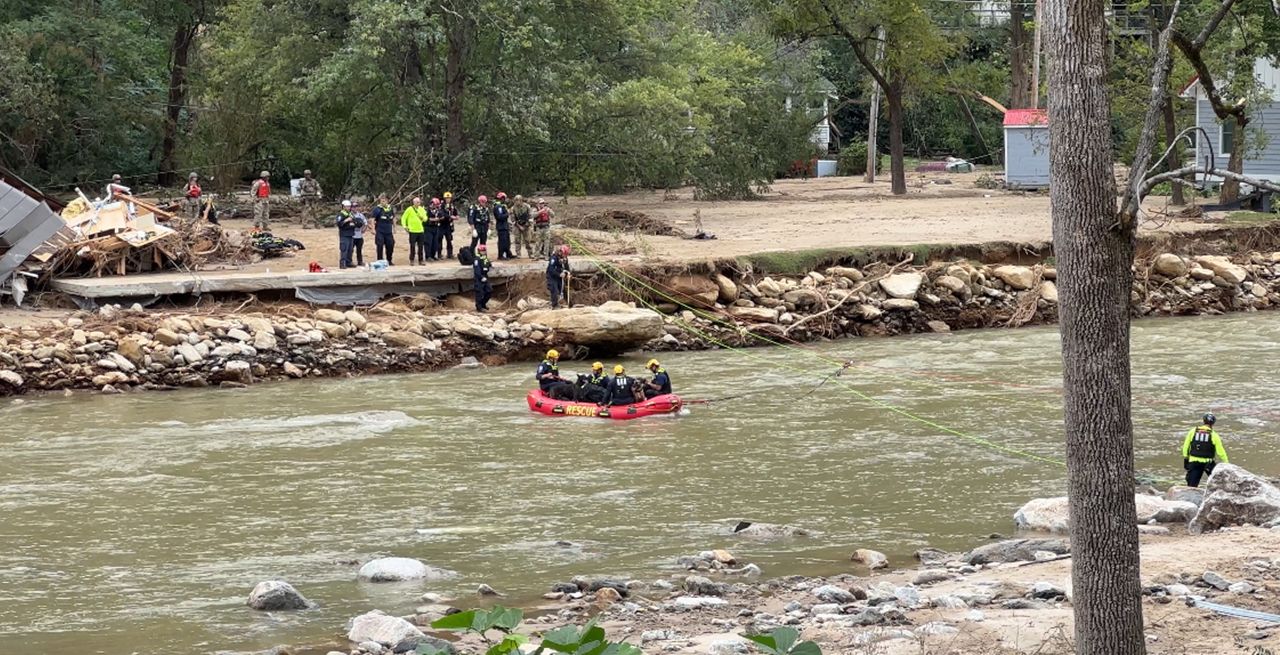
[
  {"x": 1147, "y": 138},
  {"x": 1212, "y": 25}
]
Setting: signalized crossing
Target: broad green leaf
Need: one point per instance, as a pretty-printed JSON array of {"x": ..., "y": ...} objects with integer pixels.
[
  {"x": 766, "y": 641},
  {"x": 806, "y": 648},
  {"x": 505, "y": 619},
  {"x": 459, "y": 621},
  {"x": 429, "y": 649},
  {"x": 785, "y": 638}
]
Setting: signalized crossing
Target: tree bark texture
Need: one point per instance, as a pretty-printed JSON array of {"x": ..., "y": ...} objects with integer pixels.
[
  {"x": 897, "y": 168},
  {"x": 179, "y": 59},
  {"x": 1175, "y": 153},
  {"x": 460, "y": 39},
  {"x": 1019, "y": 56},
  {"x": 1094, "y": 278}
]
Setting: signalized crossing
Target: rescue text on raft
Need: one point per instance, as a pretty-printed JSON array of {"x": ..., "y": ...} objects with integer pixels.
[{"x": 664, "y": 404}]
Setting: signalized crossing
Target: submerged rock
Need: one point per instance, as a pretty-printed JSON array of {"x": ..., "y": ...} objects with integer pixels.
[
  {"x": 768, "y": 530},
  {"x": 1016, "y": 550},
  {"x": 399, "y": 569},
  {"x": 873, "y": 559},
  {"x": 276, "y": 596}
]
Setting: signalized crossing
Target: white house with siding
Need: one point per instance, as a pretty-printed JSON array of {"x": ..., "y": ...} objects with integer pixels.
[{"x": 1262, "y": 164}]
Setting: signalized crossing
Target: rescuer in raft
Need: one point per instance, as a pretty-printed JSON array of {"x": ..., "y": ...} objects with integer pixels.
[
  {"x": 593, "y": 387},
  {"x": 623, "y": 389},
  {"x": 1199, "y": 448},
  {"x": 660, "y": 384},
  {"x": 549, "y": 380}
]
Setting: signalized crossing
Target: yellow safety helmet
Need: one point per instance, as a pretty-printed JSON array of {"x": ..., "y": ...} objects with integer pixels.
[
  {"x": 553, "y": 354},
  {"x": 652, "y": 363},
  {"x": 448, "y": 195},
  {"x": 618, "y": 370},
  {"x": 597, "y": 366}
]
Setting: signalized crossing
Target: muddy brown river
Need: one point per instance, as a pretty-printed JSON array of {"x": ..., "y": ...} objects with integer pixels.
[{"x": 139, "y": 523}]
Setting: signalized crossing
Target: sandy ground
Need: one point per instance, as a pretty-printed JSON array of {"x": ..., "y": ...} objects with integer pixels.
[
  {"x": 795, "y": 215},
  {"x": 1172, "y": 627}
]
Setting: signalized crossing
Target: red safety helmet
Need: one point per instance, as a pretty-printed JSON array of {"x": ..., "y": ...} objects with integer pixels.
[
  {"x": 483, "y": 199},
  {"x": 564, "y": 250},
  {"x": 502, "y": 196},
  {"x": 435, "y": 201},
  {"x": 482, "y": 248}
]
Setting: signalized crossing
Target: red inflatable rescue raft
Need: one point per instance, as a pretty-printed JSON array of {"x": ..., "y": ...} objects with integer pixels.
[{"x": 665, "y": 404}]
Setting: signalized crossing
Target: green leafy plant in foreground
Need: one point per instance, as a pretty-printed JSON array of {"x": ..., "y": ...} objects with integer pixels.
[
  {"x": 783, "y": 641},
  {"x": 569, "y": 640}
]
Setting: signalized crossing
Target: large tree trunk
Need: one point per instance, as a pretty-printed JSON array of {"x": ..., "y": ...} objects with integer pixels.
[
  {"x": 1231, "y": 188},
  {"x": 460, "y": 38},
  {"x": 1019, "y": 56},
  {"x": 179, "y": 58},
  {"x": 1094, "y": 257},
  {"x": 897, "y": 170},
  {"x": 1175, "y": 147}
]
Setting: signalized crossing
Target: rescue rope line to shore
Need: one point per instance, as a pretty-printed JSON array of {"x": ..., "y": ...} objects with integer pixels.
[{"x": 609, "y": 269}]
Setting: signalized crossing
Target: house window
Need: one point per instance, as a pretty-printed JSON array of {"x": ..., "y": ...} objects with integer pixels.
[{"x": 1227, "y": 142}]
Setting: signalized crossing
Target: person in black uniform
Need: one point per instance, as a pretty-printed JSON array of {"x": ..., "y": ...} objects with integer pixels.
[
  {"x": 557, "y": 266},
  {"x": 446, "y": 230},
  {"x": 553, "y": 386},
  {"x": 502, "y": 220},
  {"x": 594, "y": 387},
  {"x": 480, "y": 268},
  {"x": 384, "y": 236},
  {"x": 661, "y": 382},
  {"x": 622, "y": 388}
]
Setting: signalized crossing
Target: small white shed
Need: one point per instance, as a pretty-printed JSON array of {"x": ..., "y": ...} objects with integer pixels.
[{"x": 1026, "y": 149}]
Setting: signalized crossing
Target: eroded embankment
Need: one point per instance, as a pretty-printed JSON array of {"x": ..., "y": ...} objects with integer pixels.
[{"x": 767, "y": 299}]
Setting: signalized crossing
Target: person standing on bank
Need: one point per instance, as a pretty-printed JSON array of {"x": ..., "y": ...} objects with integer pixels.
[
  {"x": 479, "y": 216},
  {"x": 192, "y": 194},
  {"x": 261, "y": 192},
  {"x": 413, "y": 220},
  {"x": 522, "y": 215},
  {"x": 384, "y": 225},
  {"x": 557, "y": 270},
  {"x": 309, "y": 191},
  {"x": 502, "y": 221},
  {"x": 358, "y": 238},
  {"x": 451, "y": 210},
  {"x": 348, "y": 225},
  {"x": 542, "y": 227},
  {"x": 480, "y": 269},
  {"x": 1199, "y": 448},
  {"x": 436, "y": 218}
]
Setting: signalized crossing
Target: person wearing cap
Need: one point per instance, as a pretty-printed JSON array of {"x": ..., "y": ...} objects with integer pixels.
[
  {"x": 191, "y": 192},
  {"x": 446, "y": 234},
  {"x": 522, "y": 216},
  {"x": 1199, "y": 448},
  {"x": 479, "y": 216},
  {"x": 413, "y": 220},
  {"x": 357, "y": 239},
  {"x": 261, "y": 192},
  {"x": 557, "y": 269},
  {"x": 623, "y": 389},
  {"x": 549, "y": 381},
  {"x": 348, "y": 224},
  {"x": 480, "y": 270},
  {"x": 542, "y": 217},
  {"x": 309, "y": 191},
  {"x": 502, "y": 221},
  {"x": 384, "y": 229},
  {"x": 660, "y": 383}
]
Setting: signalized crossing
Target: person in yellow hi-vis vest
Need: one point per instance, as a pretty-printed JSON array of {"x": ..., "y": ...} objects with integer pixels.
[{"x": 1199, "y": 449}]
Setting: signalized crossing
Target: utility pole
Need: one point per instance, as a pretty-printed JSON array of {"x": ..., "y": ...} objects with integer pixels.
[
  {"x": 873, "y": 118},
  {"x": 1035, "y": 64}
]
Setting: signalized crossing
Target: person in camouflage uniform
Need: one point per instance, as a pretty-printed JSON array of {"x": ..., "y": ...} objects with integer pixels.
[
  {"x": 522, "y": 216},
  {"x": 261, "y": 193},
  {"x": 542, "y": 227},
  {"x": 309, "y": 191}
]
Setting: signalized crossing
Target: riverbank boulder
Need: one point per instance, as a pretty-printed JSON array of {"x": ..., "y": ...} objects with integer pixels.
[
  {"x": 902, "y": 285},
  {"x": 1170, "y": 265},
  {"x": 378, "y": 627},
  {"x": 615, "y": 326},
  {"x": 1223, "y": 268},
  {"x": 1016, "y": 550},
  {"x": 1235, "y": 496},
  {"x": 1020, "y": 278},
  {"x": 277, "y": 596},
  {"x": 1051, "y": 515},
  {"x": 398, "y": 569}
]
